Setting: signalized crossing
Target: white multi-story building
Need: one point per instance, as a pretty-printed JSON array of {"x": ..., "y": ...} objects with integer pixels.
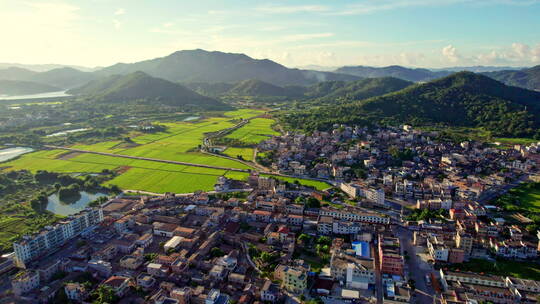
[
  {"x": 374, "y": 195},
  {"x": 54, "y": 236},
  {"x": 437, "y": 249},
  {"x": 372, "y": 218}
]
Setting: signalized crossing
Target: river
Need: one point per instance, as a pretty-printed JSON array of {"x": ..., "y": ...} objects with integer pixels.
[
  {"x": 35, "y": 96},
  {"x": 10, "y": 153}
]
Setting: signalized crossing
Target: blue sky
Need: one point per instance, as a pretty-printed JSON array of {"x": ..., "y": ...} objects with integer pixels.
[{"x": 422, "y": 33}]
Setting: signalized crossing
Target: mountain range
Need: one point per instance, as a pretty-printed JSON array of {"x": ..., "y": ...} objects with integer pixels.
[
  {"x": 462, "y": 99},
  {"x": 214, "y": 67},
  {"x": 142, "y": 88},
  {"x": 18, "y": 87},
  {"x": 63, "y": 78},
  {"x": 327, "y": 91},
  {"x": 45, "y": 67},
  {"x": 210, "y": 68}
]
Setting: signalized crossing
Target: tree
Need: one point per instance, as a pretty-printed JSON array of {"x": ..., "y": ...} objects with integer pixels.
[
  {"x": 216, "y": 252},
  {"x": 104, "y": 294},
  {"x": 115, "y": 189},
  {"x": 324, "y": 240},
  {"x": 304, "y": 237},
  {"x": 313, "y": 203}
]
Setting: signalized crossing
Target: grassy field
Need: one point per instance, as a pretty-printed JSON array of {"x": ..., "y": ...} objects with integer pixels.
[
  {"x": 246, "y": 153},
  {"x": 135, "y": 174},
  {"x": 528, "y": 196},
  {"x": 307, "y": 182},
  {"x": 178, "y": 142},
  {"x": 515, "y": 141},
  {"x": 257, "y": 130}
]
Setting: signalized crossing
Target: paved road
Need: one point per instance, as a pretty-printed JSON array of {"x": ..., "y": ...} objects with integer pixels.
[
  {"x": 417, "y": 269},
  {"x": 378, "y": 275},
  {"x": 494, "y": 194}
]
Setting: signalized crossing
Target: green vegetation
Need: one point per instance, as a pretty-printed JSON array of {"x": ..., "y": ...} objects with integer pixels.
[
  {"x": 104, "y": 294},
  {"x": 426, "y": 214},
  {"x": 397, "y": 71},
  {"x": 524, "y": 199},
  {"x": 318, "y": 185},
  {"x": 240, "y": 153},
  {"x": 257, "y": 130},
  {"x": 355, "y": 90},
  {"x": 526, "y": 78},
  {"x": 173, "y": 143},
  {"x": 515, "y": 141},
  {"x": 462, "y": 99},
  {"x": 257, "y": 88},
  {"x": 22, "y": 209},
  {"x": 24, "y": 200},
  {"x": 523, "y": 270}
]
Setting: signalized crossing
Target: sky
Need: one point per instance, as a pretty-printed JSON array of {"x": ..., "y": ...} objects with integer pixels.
[{"x": 415, "y": 33}]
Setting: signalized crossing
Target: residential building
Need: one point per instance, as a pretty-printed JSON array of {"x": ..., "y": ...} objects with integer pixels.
[{"x": 52, "y": 237}]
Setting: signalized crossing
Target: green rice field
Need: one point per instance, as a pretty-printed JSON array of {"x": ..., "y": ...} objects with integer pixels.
[
  {"x": 257, "y": 130},
  {"x": 176, "y": 143},
  {"x": 246, "y": 153}
]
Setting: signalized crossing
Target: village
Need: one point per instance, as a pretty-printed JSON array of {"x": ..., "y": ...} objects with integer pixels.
[{"x": 405, "y": 212}]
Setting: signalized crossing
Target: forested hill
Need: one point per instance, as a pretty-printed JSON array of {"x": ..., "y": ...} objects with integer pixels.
[
  {"x": 254, "y": 87},
  {"x": 409, "y": 74},
  {"x": 355, "y": 90},
  {"x": 142, "y": 88},
  {"x": 461, "y": 99},
  {"x": 526, "y": 78}
]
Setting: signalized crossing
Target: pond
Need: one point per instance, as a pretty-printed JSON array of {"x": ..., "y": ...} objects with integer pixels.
[
  {"x": 64, "y": 133},
  {"x": 10, "y": 153},
  {"x": 71, "y": 205}
]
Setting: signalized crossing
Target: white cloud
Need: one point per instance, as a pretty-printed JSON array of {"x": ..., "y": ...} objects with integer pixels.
[
  {"x": 120, "y": 12},
  {"x": 451, "y": 53},
  {"x": 522, "y": 50}
]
